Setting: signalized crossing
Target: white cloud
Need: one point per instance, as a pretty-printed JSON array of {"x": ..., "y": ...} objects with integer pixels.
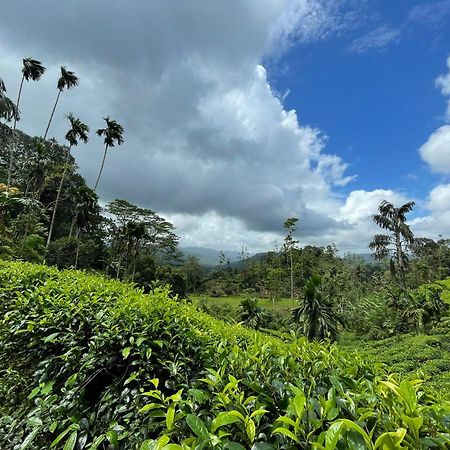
[
  {"x": 377, "y": 39},
  {"x": 439, "y": 198},
  {"x": 436, "y": 151},
  {"x": 443, "y": 82},
  {"x": 437, "y": 222}
]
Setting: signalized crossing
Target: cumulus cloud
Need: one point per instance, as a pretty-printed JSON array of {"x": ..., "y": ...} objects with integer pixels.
[
  {"x": 208, "y": 143},
  {"x": 436, "y": 151},
  {"x": 437, "y": 222},
  {"x": 377, "y": 39}
]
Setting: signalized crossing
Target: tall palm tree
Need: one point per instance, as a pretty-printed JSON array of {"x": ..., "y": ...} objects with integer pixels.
[
  {"x": 396, "y": 243},
  {"x": 67, "y": 80},
  {"x": 32, "y": 69},
  {"x": 113, "y": 133},
  {"x": 78, "y": 132},
  {"x": 316, "y": 313}
]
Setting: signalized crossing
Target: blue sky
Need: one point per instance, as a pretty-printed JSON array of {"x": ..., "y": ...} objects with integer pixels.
[
  {"x": 226, "y": 106},
  {"x": 379, "y": 104}
]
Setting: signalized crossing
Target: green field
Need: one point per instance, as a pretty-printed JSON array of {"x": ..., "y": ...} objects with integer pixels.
[{"x": 282, "y": 306}]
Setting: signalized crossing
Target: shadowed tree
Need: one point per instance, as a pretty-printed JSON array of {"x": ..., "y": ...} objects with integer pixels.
[
  {"x": 316, "y": 313},
  {"x": 78, "y": 132},
  {"x": 67, "y": 80},
  {"x": 113, "y": 133},
  {"x": 395, "y": 244},
  {"x": 8, "y": 109},
  {"x": 32, "y": 69},
  {"x": 251, "y": 314}
]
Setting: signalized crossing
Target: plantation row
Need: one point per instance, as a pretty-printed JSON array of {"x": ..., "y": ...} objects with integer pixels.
[{"x": 91, "y": 363}]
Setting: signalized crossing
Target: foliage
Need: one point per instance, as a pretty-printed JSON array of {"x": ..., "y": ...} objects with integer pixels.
[
  {"x": 93, "y": 363},
  {"x": 316, "y": 314},
  {"x": 400, "y": 238}
]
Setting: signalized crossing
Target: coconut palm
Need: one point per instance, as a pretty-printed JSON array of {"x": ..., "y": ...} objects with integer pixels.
[
  {"x": 398, "y": 241},
  {"x": 67, "y": 80},
  {"x": 316, "y": 313},
  {"x": 32, "y": 69},
  {"x": 78, "y": 132},
  {"x": 113, "y": 134}
]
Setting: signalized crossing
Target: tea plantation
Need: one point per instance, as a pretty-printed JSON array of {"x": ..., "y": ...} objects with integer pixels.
[{"x": 91, "y": 363}]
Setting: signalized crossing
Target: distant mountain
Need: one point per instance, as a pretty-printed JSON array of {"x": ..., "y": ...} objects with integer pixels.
[{"x": 210, "y": 257}]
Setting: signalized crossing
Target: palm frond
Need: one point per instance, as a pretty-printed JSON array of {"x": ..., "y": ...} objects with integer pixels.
[
  {"x": 67, "y": 79},
  {"x": 32, "y": 69}
]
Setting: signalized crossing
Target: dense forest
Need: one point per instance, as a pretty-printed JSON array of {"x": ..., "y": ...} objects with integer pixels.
[{"x": 112, "y": 338}]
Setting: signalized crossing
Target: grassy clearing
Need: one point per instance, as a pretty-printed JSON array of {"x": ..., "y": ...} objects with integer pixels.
[{"x": 282, "y": 306}]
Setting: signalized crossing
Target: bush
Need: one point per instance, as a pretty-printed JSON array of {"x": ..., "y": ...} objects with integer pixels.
[{"x": 90, "y": 363}]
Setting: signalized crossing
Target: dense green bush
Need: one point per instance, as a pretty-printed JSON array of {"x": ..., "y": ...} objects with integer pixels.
[{"x": 87, "y": 362}]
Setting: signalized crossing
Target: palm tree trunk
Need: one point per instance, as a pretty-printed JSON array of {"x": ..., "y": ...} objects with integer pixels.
[
  {"x": 71, "y": 226},
  {"x": 51, "y": 115},
  {"x": 101, "y": 168},
  {"x": 78, "y": 248},
  {"x": 292, "y": 278},
  {"x": 13, "y": 143},
  {"x": 58, "y": 194}
]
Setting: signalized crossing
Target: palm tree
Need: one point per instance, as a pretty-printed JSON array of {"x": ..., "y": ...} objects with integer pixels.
[
  {"x": 67, "y": 80},
  {"x": 252, "y": 314},
  {"x": 289, "y": 243},
  {"x": 396, "y": 243},
  {"x": 113, "y": 134},
  {"x": 78, "y": 132},
  {"x": 32, "y": 69},
  {"x": 316, "y": 313}
]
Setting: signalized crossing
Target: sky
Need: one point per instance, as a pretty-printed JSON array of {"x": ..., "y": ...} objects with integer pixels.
[{"x": 240, "y": 114}]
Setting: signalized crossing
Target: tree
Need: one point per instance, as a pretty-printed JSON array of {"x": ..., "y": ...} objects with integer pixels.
[
  {"x": 8, "y": 109},
  {"x": 316, "y": 313},
  {"x": 251, "y": 314},
  {"x": 67, "y": 80},
  {"x": 78, "y": 132},
  {"x": 32, "y": 69},
  {"x": 289, "y": 244},
  {"x": 136, "y": 231},
  {"x": 397, "y": 242},
  {"x": 113, "y": 133}
]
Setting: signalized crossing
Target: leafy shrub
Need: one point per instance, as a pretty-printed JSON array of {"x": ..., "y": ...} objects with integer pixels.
[{"x": 108, "y": 367}]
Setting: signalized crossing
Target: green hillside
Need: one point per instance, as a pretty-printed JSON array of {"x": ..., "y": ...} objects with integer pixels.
[{"x": 88, "y": 362}]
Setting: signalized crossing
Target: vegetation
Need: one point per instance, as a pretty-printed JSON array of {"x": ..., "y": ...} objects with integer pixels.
[{"x": 101, "y": 364}]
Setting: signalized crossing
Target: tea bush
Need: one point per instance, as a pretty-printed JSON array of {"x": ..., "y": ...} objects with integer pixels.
[{"x": 92, "y": 363}]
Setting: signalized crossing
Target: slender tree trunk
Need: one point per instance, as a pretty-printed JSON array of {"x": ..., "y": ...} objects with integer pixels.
[
  {"x": 78, "y": 247},
  {"x": 292, "y": 278},
  {"x": 101, "y": 168},
  {"x": 400, "y": 260},
  {"x": 13, "y": 143},
  {"x": 51, "y": 115},
  {"x": 71, "y": 227},
  {"x": 58, "y": 194}
]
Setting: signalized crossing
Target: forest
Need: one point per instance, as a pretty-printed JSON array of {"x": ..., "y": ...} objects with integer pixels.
[{"x": 112, "y": 338}]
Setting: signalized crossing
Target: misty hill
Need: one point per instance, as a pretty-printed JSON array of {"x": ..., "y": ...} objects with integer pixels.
[{"x": 208, "y": 256}]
